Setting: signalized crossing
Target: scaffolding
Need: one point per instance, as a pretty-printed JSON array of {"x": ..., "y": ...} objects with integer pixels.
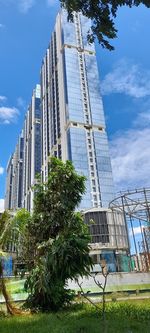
[{"x": 135, "y": 206}]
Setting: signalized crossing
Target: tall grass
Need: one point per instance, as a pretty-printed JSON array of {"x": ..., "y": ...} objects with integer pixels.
[{"x": 127, "y": 317}]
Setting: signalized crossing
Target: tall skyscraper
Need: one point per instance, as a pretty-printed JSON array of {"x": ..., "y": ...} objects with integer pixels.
[
  {"x": 65, "y": 119},
  {"x": 25, "y": 162},
  {"x": 14, "y": 182},
  {"x": 32, "y": 148},
  {"x": 9, "y": 178},
  {"x": 73, "y": 125}
]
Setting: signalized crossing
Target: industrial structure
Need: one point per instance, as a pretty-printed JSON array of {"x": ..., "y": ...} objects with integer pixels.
[
  {"x": 135, "y": 207},
  {"x": 109, "y": 238}
]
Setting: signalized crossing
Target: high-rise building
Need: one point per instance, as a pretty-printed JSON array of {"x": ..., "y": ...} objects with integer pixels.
[
  {"x": 14, "y": 182},
  {"x": 71, "y": 111},
  {"x": 73, "y": 124},
  {"x": 9, "y": 178},
  {"x": 25, "y": 163},
  {"x": 32, "y": 148},
  {"x": 65, "y": 119}
]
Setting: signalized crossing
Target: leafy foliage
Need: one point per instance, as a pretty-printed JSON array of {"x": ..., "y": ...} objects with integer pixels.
[
  {"x": 22, "y": 240},
  {"x": 56, "y": 200},
  {"x": 60, "y": 237},
  {"x": 5, "y": 221},
  {"x": 102, "y": 14},
  {"x": 14, "y": 229},
  {"x": 53, "y": 242},
  {"x": 5, "y": 234}
]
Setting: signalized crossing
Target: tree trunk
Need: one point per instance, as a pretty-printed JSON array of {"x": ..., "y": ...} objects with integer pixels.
[{"x": 5, "y": 294}]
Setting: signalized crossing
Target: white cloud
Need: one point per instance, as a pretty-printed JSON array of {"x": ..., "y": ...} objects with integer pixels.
[
  {"x": 2, "y": 26},
  {"x": 25, "y": 5},
  {"x": 51, "y": 2},
  {"x": 130, "y": 158},
  {"x": 8, "y": 115},
  {"x": 1, "y": 170},
  {"x": 127, "y": 78},
  {"x": 22, "y": 5},
  {"x": 136, "y": 230},
  {"x": 143, "y": 119},
  {"x": 1, "y": 205},
  {"x": 130, "y": 152},
  {"x": 21, "y": 102},
  {"x": 3, "y": 98}
]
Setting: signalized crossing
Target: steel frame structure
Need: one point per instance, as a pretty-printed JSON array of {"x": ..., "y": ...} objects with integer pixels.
[{"x": 135, "y": 206}]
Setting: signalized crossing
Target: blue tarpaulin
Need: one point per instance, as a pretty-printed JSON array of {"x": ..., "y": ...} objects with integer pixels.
[{"x": 7, "y": 266}]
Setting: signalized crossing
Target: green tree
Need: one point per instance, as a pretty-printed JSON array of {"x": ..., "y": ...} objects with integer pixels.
[
  {"x": 59, "y": 236},
  {"x": 4, "y": 219},
  {"x": 14, "y": 229},
  {"x": 102, "y": 13},
  {"x": 21, "y": 238},
  {"x": 6, "y": 223}
]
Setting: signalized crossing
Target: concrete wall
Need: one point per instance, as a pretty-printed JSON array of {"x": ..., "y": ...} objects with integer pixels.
[
  {"x": 132, "y": 278},
  {"x": 116, "y": 281}
]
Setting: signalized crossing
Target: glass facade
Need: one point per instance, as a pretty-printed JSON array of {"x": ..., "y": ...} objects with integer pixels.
[
  {"x": 77, "y": 153},
  {"x": 9, "y": 181},
  {"x": 74, "y": 109},
  {"x": 84, "y": 106},
  {"x": 32, "y": 148},
  {"x": 65, "y": 119},
  {"x": 73, "y": 124},
  {"x": 25, "y": 163},
  {"x": 96, "y": 106},
  {"x": 14, "y": 180}
]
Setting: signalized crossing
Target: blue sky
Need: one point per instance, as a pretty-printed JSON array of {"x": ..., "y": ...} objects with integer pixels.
[{"x": 25, "y": 28}]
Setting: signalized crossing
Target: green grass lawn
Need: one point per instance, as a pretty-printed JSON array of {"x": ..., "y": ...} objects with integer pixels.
[
  {"x": 126, "y": 317},
  {"x": 15, "y": 285}
]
